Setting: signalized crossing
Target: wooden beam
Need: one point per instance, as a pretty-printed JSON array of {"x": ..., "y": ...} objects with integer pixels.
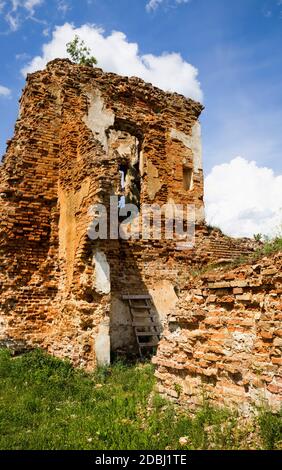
[{"x": 136, "y": 297}]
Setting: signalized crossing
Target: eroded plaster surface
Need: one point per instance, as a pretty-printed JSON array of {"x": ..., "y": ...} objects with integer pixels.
[
  {"x": 102, "y": 344},
  {"x": 69, "y": 231},
  {"x": 192, "y": 142},
  {"x": 99, "y": 118},
  {"x": 121, "y": 325},
  {"x": 154, "y": 182},
  {"x": 102, "y": 280},
  {"x": 164, "y": 298},
  {"x": 124, "y": 146}
]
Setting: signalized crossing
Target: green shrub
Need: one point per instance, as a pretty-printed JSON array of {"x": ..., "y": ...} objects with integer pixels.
[
  {"x": 272, "y": 246},
  {"x": 80, "y": 53}
]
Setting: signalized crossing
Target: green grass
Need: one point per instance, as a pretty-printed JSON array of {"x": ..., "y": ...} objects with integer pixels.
[
  {"x": 271, "y": 429},
  {"x": 46, "y": 404},
  {"x": 271, "y": 246}
]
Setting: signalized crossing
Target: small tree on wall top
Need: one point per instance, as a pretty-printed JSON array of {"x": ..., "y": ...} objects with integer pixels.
[{"x": 80, "y": 53}]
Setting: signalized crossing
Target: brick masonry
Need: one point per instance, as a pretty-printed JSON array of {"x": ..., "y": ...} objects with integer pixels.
[
  {"x": 79, "y": 127},
  {"x": 223, "y": 341}
]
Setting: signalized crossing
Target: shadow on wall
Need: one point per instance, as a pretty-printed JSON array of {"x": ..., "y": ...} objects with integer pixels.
[
  {"x": 135, "y": 323},
  {"x": 132, "y": 325}
]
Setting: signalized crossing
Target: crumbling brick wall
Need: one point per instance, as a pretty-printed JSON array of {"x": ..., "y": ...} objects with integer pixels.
[
  {"x": 224, "y": 339},
  {"x": 78, "y": 128}
]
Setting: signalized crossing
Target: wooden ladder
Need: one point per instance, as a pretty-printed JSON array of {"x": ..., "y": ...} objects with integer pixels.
[{"x": 147, "y": 331}]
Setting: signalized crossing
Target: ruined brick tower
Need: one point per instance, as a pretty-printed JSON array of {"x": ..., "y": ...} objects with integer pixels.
[
  {"x": 82, "y": 137},
  {"x": 79, "y": 128}
]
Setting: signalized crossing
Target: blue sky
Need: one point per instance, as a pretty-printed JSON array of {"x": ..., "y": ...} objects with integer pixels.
[{"x": 235, "y": 45}]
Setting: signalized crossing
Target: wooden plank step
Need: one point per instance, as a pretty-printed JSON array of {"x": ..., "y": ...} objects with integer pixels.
[
  {"x": 148, "y": 333},
  {"x": 150, "y": 327},
  {"x": 148, "y": 345},
  {"x": 149, "y": 321},
  {"x": 136, "y": 297},
  {"x": 143, "y": 314},
  {"x": 140, "y": 307},
  {"x": 144, "y": 319},
  {"x": 151, "y": 332},
  {"x": 142, "y": 324}
]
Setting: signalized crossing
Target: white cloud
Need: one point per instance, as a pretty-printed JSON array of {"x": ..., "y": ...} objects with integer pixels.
[
  {"x": 63, "y": 6},
  {"x": 16, "y": 11},
  {"x": 22, "y": 56},
  {"x": 4, "y": 91},
  {"x": 244, "y": 199},
  {"x": 154, "y": 4},
  {"x": 13, "y": 21},
  {"x": 46, "y": 31},
  {"x": 114, "y": 53},
  {"x": 31, "y": 4}
]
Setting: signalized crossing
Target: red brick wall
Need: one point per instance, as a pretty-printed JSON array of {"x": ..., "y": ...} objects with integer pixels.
[
  {"x": 64, "y": 158},
  {"x": 224, "y": 339}
]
